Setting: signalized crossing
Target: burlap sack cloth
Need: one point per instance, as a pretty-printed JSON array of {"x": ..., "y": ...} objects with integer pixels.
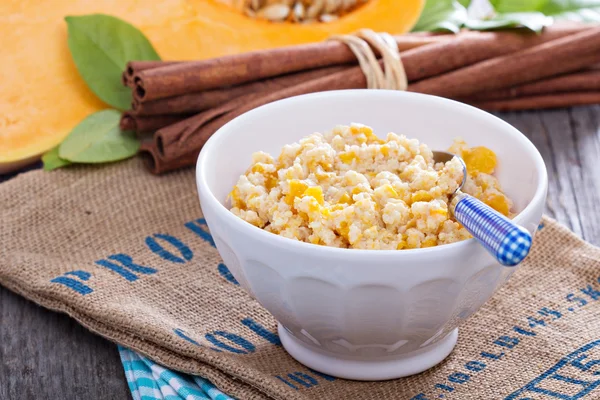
[{"x": 123, "y": 252}]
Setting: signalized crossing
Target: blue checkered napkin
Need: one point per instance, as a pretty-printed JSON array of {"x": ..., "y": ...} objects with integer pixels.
[{"x": 150, "y": 381}]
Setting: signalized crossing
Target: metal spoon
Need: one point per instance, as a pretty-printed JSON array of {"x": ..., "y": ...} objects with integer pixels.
[{"x": 507, "y": 242}]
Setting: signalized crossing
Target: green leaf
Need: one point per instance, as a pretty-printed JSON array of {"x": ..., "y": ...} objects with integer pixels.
[
  {"x": 573, "y": 10},
  {"x": 534, "y": 21},
  {"x": 98, "y": 139},
  {"x": 52, "y": 161},
  {"x": 517, "y": 6},
  {"x": 465, "y": 3},
  {"x": 101, "y": 46},
  {"x": 442, "y": 15}
]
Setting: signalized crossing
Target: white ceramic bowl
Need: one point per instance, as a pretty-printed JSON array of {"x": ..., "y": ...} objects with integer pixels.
[{"x": 365, "y": 314}]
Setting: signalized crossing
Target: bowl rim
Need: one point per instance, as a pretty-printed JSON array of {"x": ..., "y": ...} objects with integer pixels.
[{"x": 246, "y": 228}]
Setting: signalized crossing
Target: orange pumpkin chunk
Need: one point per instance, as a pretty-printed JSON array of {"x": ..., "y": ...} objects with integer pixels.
[
  {"x": 480, "y": 159},
  {"x": 498, "y": 202}
]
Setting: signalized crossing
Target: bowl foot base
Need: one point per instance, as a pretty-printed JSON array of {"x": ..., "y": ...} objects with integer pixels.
[{"x": 369, "y": 369}]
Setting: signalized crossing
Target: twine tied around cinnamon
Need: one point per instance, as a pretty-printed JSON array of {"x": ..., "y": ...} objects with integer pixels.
[{"x": 388, "y": 75}]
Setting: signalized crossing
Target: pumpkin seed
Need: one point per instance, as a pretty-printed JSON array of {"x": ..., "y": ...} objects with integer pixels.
[
  {"x": 328, "y": 18},
  {"x": 331, "y": 6},
  {"x": 298, "y": 11},
  {"x": 315, "y": 8},
  {"x": 275, "y": 12}
]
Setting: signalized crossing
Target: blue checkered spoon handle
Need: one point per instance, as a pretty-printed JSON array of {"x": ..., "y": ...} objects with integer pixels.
[{"x": 506, "y": 241}]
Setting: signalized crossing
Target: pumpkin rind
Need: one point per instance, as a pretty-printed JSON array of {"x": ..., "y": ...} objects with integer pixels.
[{"x": 43, "y": 96}]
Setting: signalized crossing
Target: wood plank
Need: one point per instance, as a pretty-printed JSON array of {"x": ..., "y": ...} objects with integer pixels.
[
  {"x": 569, "y": 142},
  {"x": 560, "y": 203},
  {"x": 46, "y": 355},
  {"x": 585, "y": 168}
]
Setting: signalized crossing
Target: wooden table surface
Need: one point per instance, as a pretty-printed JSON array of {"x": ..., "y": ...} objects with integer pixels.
[{"x": 45, "y": 355}]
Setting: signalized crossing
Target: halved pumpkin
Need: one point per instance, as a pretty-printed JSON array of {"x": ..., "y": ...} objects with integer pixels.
[{"x": 43, "y": 97}]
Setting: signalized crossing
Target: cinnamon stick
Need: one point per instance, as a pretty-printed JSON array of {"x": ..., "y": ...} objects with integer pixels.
[
  {"x": 200, "y": 101},
  {"x": 540, "y": 102},
  {"x": 178, "y": 145},
  {"x": 442, "y": 53},
  {"x": 193, "y": 132},
  {"x": 562, "y": 55},
  {"x": 190, "y": 135},
  {"x": 577, "y": 82},
  {"x": 470, "y": 48},
  {"x": 195, "y": 76},
  {"x": 133, "y": 67},
  {"x": 185, "y": 139},
  {"x": 141, "y": 124},
  {"x": 157, "y": 163}
]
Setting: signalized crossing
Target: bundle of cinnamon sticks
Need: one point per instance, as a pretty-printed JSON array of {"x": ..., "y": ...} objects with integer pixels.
[{"x": 181, "y": 104}]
